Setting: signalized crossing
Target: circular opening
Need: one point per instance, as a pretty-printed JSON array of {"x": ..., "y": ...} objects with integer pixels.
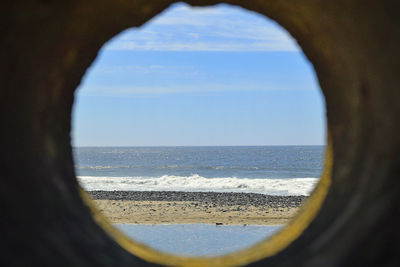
[{"x": 266, "y": 248}]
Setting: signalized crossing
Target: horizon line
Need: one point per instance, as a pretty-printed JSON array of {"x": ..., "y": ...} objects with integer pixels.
[{"x": 193, "y": 145}]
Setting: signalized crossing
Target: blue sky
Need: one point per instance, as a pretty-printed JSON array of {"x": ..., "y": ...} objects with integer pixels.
[{"x": 200, "y": 76}]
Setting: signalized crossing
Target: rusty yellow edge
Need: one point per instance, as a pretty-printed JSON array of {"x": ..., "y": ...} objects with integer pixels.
[{"x": 266, "y": 248}]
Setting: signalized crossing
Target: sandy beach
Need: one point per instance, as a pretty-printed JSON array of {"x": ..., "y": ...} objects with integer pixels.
[{"x": 167, "y": 207}]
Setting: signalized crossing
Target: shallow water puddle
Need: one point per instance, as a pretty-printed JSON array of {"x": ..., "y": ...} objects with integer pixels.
[{"x": 198, "y": 239}]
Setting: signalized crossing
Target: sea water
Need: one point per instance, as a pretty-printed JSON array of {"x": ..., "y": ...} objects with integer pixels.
[
  {"x": 198, "y": 239},
  {"x": 274, "y": 170}
]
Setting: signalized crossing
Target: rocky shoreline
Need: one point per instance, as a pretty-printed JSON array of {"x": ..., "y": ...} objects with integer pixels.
[
  {"x": 155, "y": 207},
  {"x": 215, "y": 198}
]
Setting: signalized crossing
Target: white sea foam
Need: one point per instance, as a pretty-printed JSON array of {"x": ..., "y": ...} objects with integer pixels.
[{"x": 196, "y": 183}]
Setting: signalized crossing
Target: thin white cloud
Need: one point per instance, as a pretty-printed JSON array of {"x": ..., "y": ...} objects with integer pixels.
[
  {"x": 183, "y": 14},
  {"x": 202, "y": 46},
  {"x": 147, "y": 91},
  {"x": 107, "y": 71},
  {"x": 220, "y": 28}
]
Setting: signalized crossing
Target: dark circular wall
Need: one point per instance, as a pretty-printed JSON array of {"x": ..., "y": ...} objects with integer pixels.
[{"x": 46, "y": 47}]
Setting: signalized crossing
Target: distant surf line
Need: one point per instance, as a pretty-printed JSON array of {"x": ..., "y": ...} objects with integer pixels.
[{"x": 197, "y": 183}]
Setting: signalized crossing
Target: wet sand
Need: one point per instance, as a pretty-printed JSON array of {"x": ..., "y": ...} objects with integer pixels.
[{"x": 196, "y": 207}]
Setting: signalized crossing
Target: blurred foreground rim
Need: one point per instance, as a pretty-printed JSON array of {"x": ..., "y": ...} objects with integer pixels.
[{"x": 46, "y": 48}]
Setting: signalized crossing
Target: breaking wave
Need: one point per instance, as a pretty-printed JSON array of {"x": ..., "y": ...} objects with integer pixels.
[{"x": 196, "y": 183}]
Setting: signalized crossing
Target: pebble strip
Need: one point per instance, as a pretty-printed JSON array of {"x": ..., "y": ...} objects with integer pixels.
[{"x": 212, "y": 198}]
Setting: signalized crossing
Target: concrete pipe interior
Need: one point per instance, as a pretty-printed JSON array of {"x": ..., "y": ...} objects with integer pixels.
[{"x": 46, "y": 48}]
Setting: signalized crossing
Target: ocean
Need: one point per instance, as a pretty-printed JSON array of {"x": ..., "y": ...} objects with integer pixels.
[{"x": 273, "y": 170}]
